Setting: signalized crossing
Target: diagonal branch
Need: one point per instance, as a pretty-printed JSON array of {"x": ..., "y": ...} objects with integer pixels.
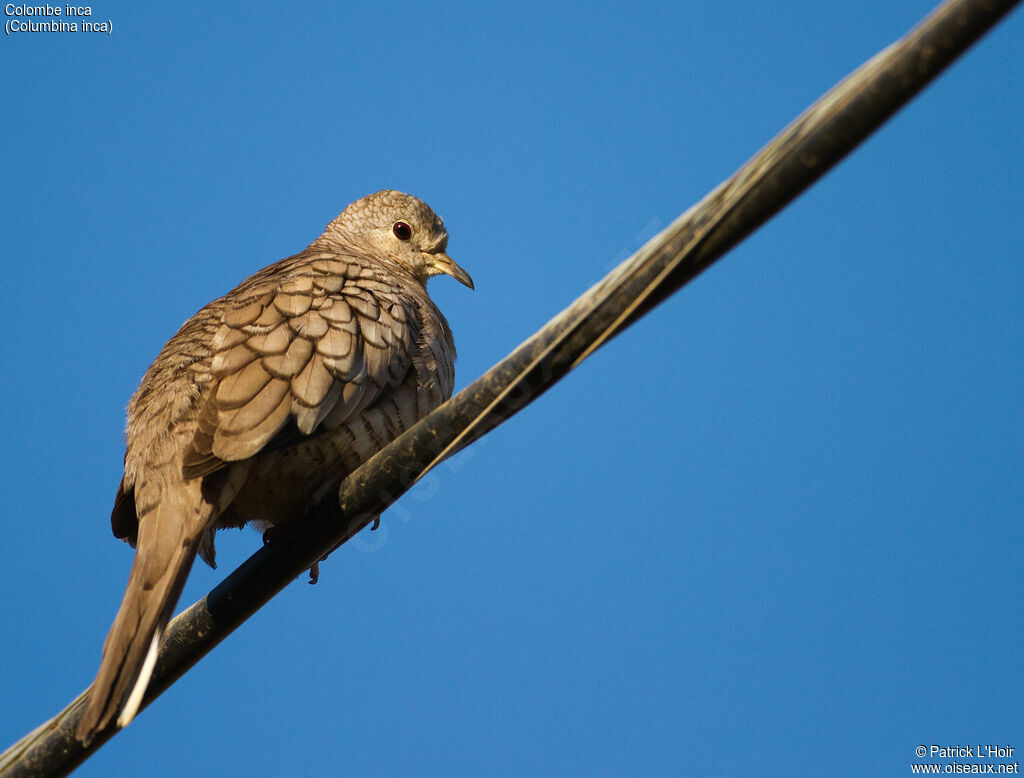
[{"x": 801, "y": 154}]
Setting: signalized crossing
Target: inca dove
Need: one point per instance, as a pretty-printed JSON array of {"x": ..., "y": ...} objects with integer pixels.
[{"x": 261, "y": 404}]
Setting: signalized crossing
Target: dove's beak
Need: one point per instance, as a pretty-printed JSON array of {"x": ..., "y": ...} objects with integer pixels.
[{"x": 445, "y": 264}]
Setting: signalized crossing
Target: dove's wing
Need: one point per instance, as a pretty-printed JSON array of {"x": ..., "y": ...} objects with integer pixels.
[{"x": 330, "y": 339}]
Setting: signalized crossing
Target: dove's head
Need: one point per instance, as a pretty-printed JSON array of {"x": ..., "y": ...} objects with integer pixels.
[{"x": 399, "y": 227}]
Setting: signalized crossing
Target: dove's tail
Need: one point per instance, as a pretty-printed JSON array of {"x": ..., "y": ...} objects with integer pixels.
[{"x": 166, "y": 548}]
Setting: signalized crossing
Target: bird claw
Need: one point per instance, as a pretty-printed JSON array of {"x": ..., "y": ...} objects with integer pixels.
[
  {"x": 314, "y": 570},
  {"x": 270, "y": 534}
]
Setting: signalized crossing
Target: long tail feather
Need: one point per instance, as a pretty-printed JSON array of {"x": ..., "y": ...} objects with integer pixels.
[{"x": 166, "y": 548}]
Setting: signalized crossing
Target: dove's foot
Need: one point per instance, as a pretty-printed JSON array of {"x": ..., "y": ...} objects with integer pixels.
[{"x": 270, "y": 534}]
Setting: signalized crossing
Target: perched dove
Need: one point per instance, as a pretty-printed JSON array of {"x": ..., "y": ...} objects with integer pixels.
[{"x": 263, "y": 402}]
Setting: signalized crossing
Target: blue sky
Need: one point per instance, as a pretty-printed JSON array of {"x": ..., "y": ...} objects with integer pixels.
[{"x": 774, "y": 528}]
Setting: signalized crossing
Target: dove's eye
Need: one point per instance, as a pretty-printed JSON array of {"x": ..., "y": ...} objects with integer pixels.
[{"x": 402, "y": 230}]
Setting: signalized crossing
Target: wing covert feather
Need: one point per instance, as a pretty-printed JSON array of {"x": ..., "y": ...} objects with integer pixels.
[{"x": 315, "y": 348}]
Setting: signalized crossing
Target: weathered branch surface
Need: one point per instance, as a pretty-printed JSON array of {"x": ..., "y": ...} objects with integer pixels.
[{"x": 790, "y": 163}]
